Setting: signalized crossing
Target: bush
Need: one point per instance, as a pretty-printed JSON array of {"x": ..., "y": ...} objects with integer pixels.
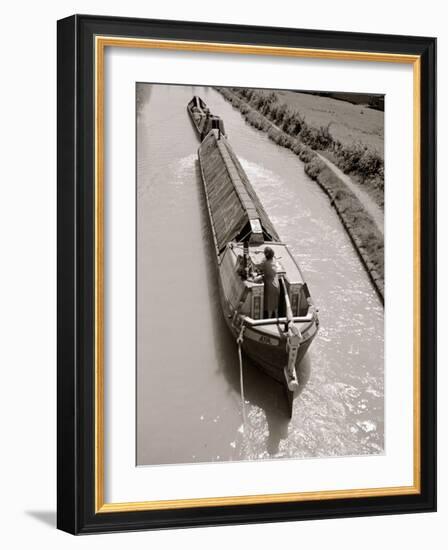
[
  {"x": 281, "y": 112},
  {"x": 297, "y": 124},
  {"x": 317, "y": 138},
  {"x": 272, "y": 115},
  {"x": 306, "y": 155},
  {"x": 272, "y": 98},
  {"x": 360, "y": 160},
  {"x": 314, "y": 167},
  {"x": 370, "y": 163}
]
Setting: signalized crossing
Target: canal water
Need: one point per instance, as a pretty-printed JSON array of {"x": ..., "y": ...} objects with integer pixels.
[{"x": 189, "y": 406}]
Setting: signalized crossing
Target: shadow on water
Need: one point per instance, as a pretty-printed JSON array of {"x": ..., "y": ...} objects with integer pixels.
[{"x": 260, "y": 390}]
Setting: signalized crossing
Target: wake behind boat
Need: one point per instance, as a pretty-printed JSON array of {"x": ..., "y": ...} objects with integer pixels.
[{"x": 252, "y": 262}]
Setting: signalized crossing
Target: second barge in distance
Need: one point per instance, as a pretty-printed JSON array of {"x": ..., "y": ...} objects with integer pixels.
[{"x": 241, "y": 230}]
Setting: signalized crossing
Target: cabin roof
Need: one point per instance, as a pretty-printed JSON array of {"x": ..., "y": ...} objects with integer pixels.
[{"x": 231, "y": 197}]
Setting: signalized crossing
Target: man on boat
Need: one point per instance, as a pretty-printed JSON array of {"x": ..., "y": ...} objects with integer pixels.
[{"x": 268, "y": 269}]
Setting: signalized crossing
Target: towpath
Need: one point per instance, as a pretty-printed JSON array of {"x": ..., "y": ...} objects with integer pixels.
[{"x": 369, "y": 204}]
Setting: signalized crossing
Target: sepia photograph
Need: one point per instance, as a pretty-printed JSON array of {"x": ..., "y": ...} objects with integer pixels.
[{"x": 260, "y": 274}]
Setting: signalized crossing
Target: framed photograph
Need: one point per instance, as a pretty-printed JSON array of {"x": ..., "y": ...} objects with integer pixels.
[{"x": 246, "y": 274}]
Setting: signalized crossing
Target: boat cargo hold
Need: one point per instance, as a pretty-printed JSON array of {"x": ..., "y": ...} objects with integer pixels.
[{"x": 241, "y": 231}]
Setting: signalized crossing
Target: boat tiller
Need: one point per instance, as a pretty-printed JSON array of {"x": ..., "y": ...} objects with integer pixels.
[{"x": 293, "y": 341}]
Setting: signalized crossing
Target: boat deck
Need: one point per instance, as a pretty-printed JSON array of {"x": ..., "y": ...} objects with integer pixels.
[{"x": 283, "y": 257}]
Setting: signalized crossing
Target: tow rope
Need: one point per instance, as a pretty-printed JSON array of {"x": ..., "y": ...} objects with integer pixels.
[
  {"x": 239, "y": 341},
  {"x": 293, "y": 341}
]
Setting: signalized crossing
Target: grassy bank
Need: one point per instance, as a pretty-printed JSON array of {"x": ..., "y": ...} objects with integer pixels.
[
  {"x": 363, "y": 232},
  {"x": 355, "y": 148}
]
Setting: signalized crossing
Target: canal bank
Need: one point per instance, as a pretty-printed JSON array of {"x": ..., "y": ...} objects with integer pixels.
[{"x": 361, "y": 226}]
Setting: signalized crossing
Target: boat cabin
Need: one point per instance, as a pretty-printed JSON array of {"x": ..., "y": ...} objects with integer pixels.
[{"x": 212, "y": 122}]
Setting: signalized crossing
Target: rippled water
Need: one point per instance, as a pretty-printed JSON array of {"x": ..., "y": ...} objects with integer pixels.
[{"x": 188, "y": 395}]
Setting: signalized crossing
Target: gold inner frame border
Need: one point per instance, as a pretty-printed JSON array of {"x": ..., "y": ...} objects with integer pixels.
[{"x": 100, "y": 44}]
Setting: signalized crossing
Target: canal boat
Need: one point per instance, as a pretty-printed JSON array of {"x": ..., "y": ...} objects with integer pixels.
[
  {"x": 241, "y": 231},
  {"x": 203, "y": 120}
]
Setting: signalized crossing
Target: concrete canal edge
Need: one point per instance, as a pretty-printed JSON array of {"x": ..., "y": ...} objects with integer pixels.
[{"x": 356, "y": 220}]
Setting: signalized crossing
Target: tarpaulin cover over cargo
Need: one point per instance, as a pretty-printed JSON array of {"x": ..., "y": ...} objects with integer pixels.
[{"x": 231, "y": 197}]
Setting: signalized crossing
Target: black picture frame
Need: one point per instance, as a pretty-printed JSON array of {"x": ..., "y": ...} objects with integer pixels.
[{"x": 76, "y": 301}]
